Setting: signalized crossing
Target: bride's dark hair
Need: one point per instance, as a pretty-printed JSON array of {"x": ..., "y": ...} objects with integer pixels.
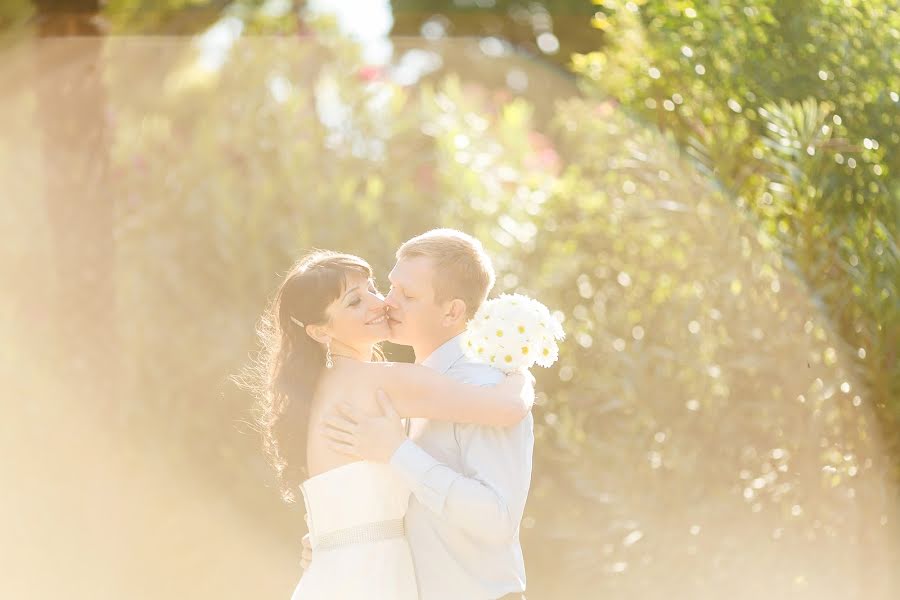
[{"x": 290, "y": 362}]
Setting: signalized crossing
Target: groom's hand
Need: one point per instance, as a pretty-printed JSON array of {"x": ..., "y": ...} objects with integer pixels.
[
  {"x": 307, "y": 555},
  {"x": 359, "y": 435}
]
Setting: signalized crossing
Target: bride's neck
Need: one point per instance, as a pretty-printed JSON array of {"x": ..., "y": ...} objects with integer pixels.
[{"x": 362, "y": 353}]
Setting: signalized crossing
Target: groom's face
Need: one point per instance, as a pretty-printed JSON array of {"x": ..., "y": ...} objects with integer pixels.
[{"x": 416, "y": 319}]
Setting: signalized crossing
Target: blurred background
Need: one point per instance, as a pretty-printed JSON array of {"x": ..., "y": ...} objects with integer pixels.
[{"x": 707, "y": 192}]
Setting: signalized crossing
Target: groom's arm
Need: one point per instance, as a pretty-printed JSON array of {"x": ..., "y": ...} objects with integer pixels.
[
  {"x": 488, "y": 498},
  {"x": 487, "y": 501}
]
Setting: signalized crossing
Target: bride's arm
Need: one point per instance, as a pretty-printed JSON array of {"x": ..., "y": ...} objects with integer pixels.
[{"x": 418, "y": 391}]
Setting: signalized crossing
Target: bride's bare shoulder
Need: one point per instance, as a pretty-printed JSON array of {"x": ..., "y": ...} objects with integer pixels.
[
  {"x": 377, "y": 371},
  {"x": 356, "y": 385}
]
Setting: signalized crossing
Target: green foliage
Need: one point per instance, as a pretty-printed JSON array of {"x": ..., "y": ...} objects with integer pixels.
[
  {"x": 193, "y": 16},
  {"x": 682, "y": 422},
  {"x": 15, "y": 12},
  {"x": 793, "y": 107}
]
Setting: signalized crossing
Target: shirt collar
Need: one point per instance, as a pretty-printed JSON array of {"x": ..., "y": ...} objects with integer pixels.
[{"x": 445, "y": 355}]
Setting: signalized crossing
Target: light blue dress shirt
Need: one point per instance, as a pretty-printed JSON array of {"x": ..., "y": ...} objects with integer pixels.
[{"x": 469, "y": 486}]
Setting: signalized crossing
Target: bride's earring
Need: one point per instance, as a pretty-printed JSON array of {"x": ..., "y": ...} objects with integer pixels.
[{"x": 329, "y": 362}]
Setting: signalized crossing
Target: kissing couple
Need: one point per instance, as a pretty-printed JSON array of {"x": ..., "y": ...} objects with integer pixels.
[{"x": 414, "y": 476}]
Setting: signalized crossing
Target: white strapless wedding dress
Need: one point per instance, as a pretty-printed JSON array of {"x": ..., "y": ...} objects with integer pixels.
[{"x": 355, "y": 514}]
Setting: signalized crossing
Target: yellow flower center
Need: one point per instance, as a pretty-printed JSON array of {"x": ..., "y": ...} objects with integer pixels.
[
  {"x": 508, "y": 358},
  {"x": 499, "y": 333}
]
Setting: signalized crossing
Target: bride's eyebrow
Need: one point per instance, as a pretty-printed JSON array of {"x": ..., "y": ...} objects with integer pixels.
[{"x": 348, "y": 292}]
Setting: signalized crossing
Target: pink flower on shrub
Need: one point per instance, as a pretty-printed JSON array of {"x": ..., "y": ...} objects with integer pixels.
[
  {"x": 369, "y": 73},
  {"x": 543, "y": 156}
]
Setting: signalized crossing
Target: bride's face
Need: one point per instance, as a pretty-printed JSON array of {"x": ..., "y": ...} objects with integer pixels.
[{"x": 357, "y": 317}]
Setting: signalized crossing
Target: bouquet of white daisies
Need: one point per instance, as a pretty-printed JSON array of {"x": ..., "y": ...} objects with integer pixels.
[{"x": 513, "y": 332}]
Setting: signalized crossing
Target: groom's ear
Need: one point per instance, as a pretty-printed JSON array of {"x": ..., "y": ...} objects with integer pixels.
[{"x": 456, "y": 312}]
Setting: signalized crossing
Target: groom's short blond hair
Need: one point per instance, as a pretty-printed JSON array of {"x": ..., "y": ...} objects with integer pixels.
[{"x": 461, "y": 266}]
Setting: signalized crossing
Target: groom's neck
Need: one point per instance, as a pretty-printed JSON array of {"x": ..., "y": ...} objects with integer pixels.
[{"x": 427, "y": 348}]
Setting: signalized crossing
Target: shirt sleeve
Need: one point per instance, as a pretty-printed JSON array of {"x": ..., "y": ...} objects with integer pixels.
[{"x": 488, "y": 499}]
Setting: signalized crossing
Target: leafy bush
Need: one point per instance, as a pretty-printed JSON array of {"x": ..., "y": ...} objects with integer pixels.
[{"x": 793, "y": 108}]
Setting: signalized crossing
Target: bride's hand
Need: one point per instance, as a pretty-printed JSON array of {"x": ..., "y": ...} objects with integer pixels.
[{"x": 519, "y": 385}]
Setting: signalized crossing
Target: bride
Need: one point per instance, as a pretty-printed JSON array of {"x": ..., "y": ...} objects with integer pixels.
[{"x": 320, "y": 337}]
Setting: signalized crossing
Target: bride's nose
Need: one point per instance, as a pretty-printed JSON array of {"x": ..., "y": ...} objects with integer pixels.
[{"x": 391, "y": 301}]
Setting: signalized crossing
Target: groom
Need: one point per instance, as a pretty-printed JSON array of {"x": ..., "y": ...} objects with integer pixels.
[{"x": 469, "y": 482}]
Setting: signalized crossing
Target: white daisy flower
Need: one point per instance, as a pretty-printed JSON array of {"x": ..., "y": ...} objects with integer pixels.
[{"x": 513, "y": 332}]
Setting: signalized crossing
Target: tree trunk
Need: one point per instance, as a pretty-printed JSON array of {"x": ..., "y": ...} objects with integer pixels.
[{"x": 71, "y": 114}]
